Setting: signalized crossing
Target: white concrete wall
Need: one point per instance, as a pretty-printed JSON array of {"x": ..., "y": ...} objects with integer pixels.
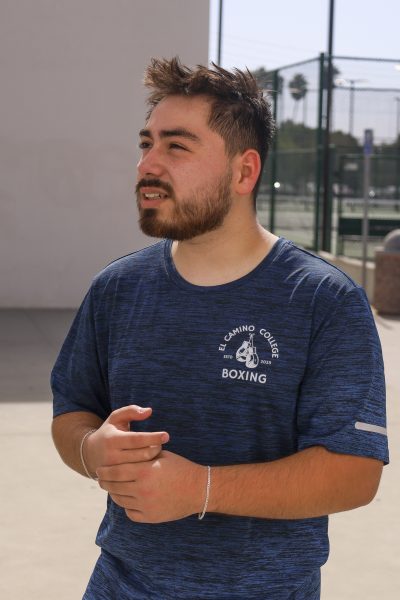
[{"x": 71, "y": 105}]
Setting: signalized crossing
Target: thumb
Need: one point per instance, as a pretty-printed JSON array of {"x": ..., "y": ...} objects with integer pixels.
[{"x": 123, "y": 416}]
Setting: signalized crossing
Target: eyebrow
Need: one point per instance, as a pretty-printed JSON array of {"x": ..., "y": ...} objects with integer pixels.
[{"x": 166, "y": 133}]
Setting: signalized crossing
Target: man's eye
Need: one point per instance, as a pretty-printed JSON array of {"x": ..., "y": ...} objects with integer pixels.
[
  {"x": 176, "y": 147},
  {"x": 143, "y": 145}
]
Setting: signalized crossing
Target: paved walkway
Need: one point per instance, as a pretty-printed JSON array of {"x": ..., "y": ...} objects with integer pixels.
[{"x": 49, "y": 515}]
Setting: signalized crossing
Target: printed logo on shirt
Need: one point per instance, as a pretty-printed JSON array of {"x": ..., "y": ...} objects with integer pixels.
[{"x": 254, "y": 349}]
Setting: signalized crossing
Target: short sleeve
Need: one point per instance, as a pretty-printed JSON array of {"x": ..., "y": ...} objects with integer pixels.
[
  {"x": 342, "y": 397},
  {"x": 79, "y": 379}
]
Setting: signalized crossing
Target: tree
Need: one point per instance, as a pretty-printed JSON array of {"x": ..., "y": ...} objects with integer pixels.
[
  {"x": 266, "y": 79},
  {"x": 298, "y": 87},
  {"x": 335, "y": 73}
]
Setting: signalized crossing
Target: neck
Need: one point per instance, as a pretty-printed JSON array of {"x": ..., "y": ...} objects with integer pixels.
[{"x": 225, "y": 254}]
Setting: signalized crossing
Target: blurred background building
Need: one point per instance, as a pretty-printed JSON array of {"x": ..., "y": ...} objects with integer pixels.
[{"x": 72, "y": 104}]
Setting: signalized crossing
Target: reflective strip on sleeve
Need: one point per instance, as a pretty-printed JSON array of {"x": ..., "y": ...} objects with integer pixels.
[{"x": 371, "y": 428}]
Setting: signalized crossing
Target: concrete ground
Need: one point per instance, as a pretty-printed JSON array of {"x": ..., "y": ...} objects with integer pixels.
[{"x": 49, "y": 515}]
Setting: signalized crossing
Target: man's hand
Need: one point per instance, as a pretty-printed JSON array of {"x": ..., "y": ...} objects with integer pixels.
[
  {"x": 167, "y": 488},
  {"x": 114, "y": 444}
]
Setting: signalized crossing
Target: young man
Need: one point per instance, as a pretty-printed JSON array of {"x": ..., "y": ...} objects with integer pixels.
[{"x": 225, "y": 386}]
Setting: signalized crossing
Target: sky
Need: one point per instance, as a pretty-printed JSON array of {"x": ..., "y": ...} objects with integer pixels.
[{"x": 273, "y": 33}]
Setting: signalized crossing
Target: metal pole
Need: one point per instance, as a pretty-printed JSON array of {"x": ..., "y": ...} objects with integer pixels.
[
  {"x": 326, "y": 218},
  {"x": 319, "y": 153},
  {"x": 221, "y": 9},
  {"x": 351, "y": 119},
  {"x": 368, "y": 149},
  {"x": 274, "y": 158},
  {"x": 398, "y": 151},
  {"x": 367, "y": 177}
]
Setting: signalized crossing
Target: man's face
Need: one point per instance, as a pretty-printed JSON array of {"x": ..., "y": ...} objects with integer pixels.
[{"x": 184, "y": 176}]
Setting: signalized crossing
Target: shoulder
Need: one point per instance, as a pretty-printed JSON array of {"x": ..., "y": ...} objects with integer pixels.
[
  {"x": 315, "y": 291},
  {"x": 119, "y": 279},
  {"x": 133, "y": 266},
  {"x": 309, "y": 275}
]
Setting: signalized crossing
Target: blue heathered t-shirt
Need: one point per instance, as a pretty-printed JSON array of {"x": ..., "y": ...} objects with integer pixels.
[{"x": 284, "y": 358}]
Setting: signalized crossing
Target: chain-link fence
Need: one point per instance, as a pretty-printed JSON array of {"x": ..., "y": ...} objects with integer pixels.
[{"x": 309, "y": 180}]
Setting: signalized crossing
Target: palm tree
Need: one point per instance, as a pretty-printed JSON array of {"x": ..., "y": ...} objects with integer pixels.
[
  {"x": 298, "y": 87},
  {"x": 335, "y": 73},
  {"x": 266, "y": 79}
]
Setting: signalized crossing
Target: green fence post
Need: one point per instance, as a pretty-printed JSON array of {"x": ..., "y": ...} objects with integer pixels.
[
  {"x": 329, "y": 205},
  {"x": 339, "y": 241},
  {"x": 274, "y": 155},
  {"x": 319, "y": 142}
]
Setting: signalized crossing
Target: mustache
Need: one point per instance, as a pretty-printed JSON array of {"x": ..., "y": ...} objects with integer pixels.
[{"x": 155, "y": 183}]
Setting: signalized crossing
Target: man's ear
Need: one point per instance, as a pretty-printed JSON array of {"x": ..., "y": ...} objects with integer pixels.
[{"x": 247, "y": 171}]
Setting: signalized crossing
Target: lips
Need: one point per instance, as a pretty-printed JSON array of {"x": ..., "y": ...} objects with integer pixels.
[
  {"x": 153, "y": 189},
  {"x": 154, "y": 195}
]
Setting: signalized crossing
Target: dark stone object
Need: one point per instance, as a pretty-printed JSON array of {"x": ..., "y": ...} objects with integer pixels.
[{"x": 387, "y": 275}]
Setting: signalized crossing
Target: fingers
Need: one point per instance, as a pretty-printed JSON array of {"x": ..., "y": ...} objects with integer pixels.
[
  {"x": 140, "y": 455},
  {"x": 134, "y": 456},
  {"x": 125, "y": 473},
  {"x": 118, "y": 488},
  {"x": 123, "y": 416},
  {"x": 131, "y": 440},
  {"x": 127, "y": 502},
  {"x": 135, "y": 515}
]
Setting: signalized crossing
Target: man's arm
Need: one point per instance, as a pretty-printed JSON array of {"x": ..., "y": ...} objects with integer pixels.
[
  {"x": 111, "y": 444},
  {"x": 68, "y": 431},
  {"x": 310, "y": 483}
]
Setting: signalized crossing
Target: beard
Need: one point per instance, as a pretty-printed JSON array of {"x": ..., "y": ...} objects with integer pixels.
[{"x": 204, "y": 211}]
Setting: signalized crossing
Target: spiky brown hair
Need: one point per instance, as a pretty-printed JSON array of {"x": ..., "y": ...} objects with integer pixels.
[{"x": 239, "y": 113}]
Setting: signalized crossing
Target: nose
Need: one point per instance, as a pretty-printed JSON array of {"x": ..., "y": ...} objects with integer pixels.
[{"x": 150, "y": 163}]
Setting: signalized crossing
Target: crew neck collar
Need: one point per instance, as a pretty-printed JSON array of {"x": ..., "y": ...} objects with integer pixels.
[{"x": 178, "y": 280}]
